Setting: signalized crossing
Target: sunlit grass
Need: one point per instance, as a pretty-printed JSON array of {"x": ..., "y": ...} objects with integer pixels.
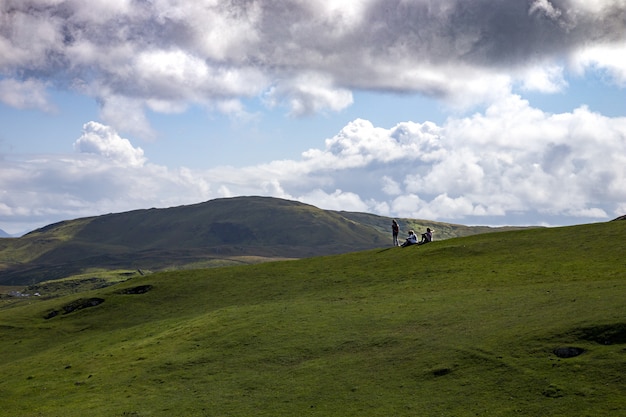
[{"x": 461, "y": 327}]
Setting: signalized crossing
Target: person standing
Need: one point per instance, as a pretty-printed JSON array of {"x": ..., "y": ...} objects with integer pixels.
[{"x": 395, "y": 229}]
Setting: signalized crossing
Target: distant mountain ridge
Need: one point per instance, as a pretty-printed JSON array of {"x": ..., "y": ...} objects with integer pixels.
[
  {"x": 4, "y": 234},
  {"x": 212, "y": 233}
]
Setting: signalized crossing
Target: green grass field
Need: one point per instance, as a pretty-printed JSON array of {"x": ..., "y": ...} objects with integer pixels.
[{"x": 461, "y": 327}]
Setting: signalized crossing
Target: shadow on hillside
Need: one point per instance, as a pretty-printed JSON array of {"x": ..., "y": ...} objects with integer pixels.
[{"x": 397, "y": 247}]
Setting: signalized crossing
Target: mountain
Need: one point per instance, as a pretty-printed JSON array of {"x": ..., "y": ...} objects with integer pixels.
[
  {"x": 213, "y": 233},
  {"x": 222, "y": 229},
  {"x": 4, "y": 234}
]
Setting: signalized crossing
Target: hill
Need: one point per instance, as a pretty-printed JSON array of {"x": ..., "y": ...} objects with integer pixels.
[
  {"x": 231, "y": 230},
  {"x": 521, "y": 323},
  {"x": 214, "y": 233}
]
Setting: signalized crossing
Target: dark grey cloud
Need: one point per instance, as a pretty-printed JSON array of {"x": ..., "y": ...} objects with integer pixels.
[{"x": 210, "y": 51}]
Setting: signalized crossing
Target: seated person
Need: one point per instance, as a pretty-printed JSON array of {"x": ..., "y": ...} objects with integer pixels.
[
  {"x": 411, "y": 240},
  {"x": 426, "y": 237}
]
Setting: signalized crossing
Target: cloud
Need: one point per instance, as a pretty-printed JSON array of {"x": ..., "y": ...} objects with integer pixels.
[
  {"x": 546, "y": 79},
  {"x": 510, "y": 160},
  {"x": 607, "y": 58},
  {"x": 336, "y": 200},
  {"x": 308, "y": 94},
  {"x": 102, "y": 140},
  {"x": 306, "y": 56},
  {"x": 545, "y": 8},
  {"x": 127, "y": 114},
  {"x": 511, "y": 164},
  {"x": 390, "y": 186},
  {"x": 43, "y": 189},
  {"x": 28, "y": 94}
]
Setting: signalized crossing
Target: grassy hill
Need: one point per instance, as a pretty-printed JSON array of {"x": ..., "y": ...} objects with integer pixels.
[
  {"x": 231, "y": 230},
  {"x": 481, "y": 325},
  {"x": 214, "y": 233}
]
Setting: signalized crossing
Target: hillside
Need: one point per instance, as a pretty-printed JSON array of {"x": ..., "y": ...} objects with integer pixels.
[
  {"x": 214, "y": 233},
  {"x": 221, "y": 230},
  {"x": 521, "y": 323}
]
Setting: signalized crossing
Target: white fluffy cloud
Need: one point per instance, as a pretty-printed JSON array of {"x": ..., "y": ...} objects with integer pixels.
[
  {"x": 512, "y": 160},
  {"x": 305, "y": 55},
  {"x": 606, "y": 57},
  {"x": 102, "y": 140}
]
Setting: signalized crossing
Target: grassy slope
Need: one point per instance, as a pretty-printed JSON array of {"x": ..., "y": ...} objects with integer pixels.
[{"x": 460, "y": 327}]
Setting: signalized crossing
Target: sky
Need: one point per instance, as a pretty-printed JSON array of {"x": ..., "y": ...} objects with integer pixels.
[{"x": 476, "y": 112}]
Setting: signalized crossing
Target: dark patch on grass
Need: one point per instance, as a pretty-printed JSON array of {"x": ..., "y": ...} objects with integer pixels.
[
  {"x": 51, "y": 314},
  {"x": 568, "y": 352},
  {"x": 442, "y": 371},
  {"x": 82, "y": 303},
  {"x": 140, "y": 289},
  {"x": 76, "y": 305},
  {"x": 612, "y": 334},
  {"x": 552, "y": 392}
]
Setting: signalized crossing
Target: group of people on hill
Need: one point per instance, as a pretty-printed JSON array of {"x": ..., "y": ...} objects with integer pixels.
[{"x": 412, "y": 238}]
